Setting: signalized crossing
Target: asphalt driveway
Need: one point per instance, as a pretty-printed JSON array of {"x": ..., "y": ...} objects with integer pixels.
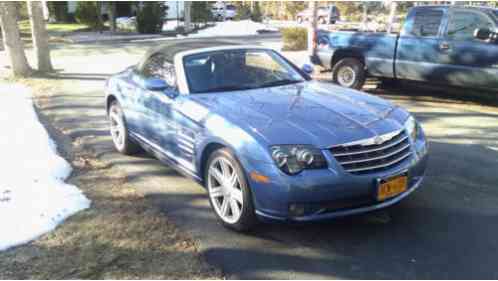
[{"x": 447, "y": 229}]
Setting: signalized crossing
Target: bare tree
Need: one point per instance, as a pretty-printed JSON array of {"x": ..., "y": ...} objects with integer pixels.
[
  {"x": 39, "y": 35},
  {"x": 112, "y": 15},
  {"x": 364, "y": 17},
  {"x": 99, "y": 16},
  {"x": 187, "y": 20},
  {"x": 12, "y": 39},
  {"x": 392, "y": 15},
  {"x": 312, "y": 28}
]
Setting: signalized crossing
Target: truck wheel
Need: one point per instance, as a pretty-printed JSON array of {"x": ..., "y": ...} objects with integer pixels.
[{"x": 349, "y": 73}]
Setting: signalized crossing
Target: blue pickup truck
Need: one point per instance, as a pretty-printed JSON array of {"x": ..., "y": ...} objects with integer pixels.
[{"x": 449, "y": 45}]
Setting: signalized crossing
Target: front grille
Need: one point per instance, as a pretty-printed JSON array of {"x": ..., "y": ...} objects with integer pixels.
[{"x": 365, "y": 157}]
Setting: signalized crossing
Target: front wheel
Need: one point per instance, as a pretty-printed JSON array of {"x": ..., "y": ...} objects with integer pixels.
[
  {"x": 229, "y": 193},
  {"x": 349, "y": 73}
]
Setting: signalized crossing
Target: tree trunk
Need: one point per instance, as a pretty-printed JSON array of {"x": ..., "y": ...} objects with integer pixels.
[
  {"x": 112, "y": 15},
  {"x": 12, "y": 40},
  {"x": 187, "y": 20},
  {"x": 312, "y": 28},
  {"x": 99, "y": 16},
  {"x": 392, "y": 16},
  {"x": 40, "y": 36},
  {"x": 364, "y": 19}
]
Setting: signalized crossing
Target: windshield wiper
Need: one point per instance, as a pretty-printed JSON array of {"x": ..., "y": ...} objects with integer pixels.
[
  {"x": 279, "y": 83},
  {"x": 226, "y": 88}
]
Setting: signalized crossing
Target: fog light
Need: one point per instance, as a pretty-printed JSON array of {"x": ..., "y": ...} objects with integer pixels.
[{"x": 296, "y": 210}]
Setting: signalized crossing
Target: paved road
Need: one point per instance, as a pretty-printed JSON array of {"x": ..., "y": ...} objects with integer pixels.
[{"x": 447, "y": 229}]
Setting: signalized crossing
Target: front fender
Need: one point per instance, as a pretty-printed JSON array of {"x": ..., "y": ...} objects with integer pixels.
[{"x": 246, "y": 147}]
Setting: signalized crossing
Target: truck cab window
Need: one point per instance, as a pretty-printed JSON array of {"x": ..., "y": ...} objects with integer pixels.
[
  {"x": 426, "y": 23},
  {"x": 462, "y": 24}
]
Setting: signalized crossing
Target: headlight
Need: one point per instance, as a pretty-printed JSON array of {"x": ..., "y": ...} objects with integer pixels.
[
  {"x": 292, "y": 159},
  {"x": 411, "y": 127}
]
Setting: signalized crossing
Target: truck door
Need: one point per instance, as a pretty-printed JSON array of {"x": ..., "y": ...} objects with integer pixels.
[
  {"x": 468, "y": 61},
  {"x": 419, "y": 56}
]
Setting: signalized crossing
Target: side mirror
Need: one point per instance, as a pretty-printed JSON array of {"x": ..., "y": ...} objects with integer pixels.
[
  {"x": 483, "y": 34},
  {"x": 307, "y": 68},
  {"x": 155, "y": 84}
]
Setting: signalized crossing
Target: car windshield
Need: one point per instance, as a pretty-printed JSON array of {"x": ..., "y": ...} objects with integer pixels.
[{"x": 238, "y": 69}]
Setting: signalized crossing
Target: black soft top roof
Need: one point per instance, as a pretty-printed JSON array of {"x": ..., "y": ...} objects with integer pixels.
[{"x": 173, "y": 47}]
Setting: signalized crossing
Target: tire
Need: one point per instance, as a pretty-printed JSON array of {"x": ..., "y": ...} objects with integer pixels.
[
  {"x": 239, "y": 213},
  {"x": 119, "y": 131},
  {"x": 349, "y": 73},
  {"x": 322, "y": 20},
  {"x": 332, "y": 22}
]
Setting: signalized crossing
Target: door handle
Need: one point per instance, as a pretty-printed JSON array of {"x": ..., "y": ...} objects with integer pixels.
[{"x": 444, "y": 46}]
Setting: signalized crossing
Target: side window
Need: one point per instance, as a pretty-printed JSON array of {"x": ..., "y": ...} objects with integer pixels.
[
  {"x": 463, "y": 24},
  {"x": 426, "y": 23},
  {"x": 157, "y": 66}
]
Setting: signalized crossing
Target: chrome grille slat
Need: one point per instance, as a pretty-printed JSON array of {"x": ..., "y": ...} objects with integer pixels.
[
  {"x": 364, "y": 157},
  {"x": 381, "y": 166},
  {"x": 373, "y": 149},
  {"x": 379, "y": 157}
]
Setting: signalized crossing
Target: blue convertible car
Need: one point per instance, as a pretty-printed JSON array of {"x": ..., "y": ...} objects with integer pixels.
[{"x": 263, "y": 138}]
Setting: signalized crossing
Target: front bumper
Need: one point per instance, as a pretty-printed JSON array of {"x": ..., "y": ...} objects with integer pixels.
[
  {"x": 347, "y": 211},
  {"x": 330, "y": 193}
]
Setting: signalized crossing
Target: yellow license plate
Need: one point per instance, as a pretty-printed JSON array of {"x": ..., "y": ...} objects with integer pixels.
[{"x": 392, "y": 187}]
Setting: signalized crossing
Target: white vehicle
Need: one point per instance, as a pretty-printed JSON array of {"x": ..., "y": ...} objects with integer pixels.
[
  {"x": 325, "y": 15},
  {"x": 222, "y": 11}
]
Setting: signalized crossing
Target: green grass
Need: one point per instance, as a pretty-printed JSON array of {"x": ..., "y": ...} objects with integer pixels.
[{"x": 25, "y": 28}]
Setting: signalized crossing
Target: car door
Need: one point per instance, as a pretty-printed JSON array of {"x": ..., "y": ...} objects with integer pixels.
[
  {"x": 468, "y": 61},
  {"x": 158, "y": 125},
  {"x": 420, "y": 54},
  {"x": 129, "y": 93}
]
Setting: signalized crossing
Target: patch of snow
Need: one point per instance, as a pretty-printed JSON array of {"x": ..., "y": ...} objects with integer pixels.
[
  {"x": 232, "y": 28},
  {"x": 170, "y": 25},
  {"x": 33, "y": 196},
  {"x": 128, "y": 23}
]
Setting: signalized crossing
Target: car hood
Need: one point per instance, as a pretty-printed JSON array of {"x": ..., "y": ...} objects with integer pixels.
[{"x": 305, "y": 113}]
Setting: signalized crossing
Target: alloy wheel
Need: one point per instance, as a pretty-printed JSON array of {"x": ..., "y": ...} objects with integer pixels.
[
  {"x": 225, "y": 190},
  {"x": 117, "y": 128}
]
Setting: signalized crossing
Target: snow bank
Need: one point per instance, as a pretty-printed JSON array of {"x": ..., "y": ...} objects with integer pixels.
[
  {"x": 231, "y": 28},
  {"x": 33, "y": 196}
]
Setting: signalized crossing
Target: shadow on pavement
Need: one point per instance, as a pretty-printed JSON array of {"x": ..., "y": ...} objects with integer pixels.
[
  {"x": 422, "y": 93},
  {"x": 445, "y": 230}
]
